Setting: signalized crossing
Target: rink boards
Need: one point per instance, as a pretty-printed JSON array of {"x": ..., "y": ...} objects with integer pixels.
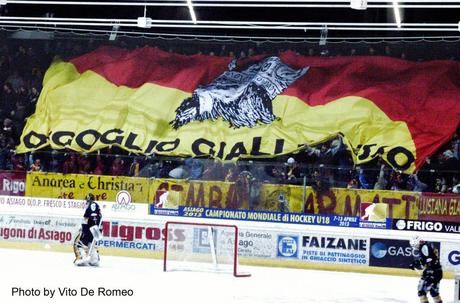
[{"x": 128, "y": 230}]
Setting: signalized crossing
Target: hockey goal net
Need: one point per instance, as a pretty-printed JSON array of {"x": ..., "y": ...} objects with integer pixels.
[{"x": 206, "y": 247}]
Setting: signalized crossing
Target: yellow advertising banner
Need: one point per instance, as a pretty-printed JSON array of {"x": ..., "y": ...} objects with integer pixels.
[
  {"x": 233, "y": 195},
  {"x": 75, "y": 186},
  {"x": 339, "y": 201},
  {"x": 276, "y": 197},
  {"x": 342, "y": 201},
  {"x": 205, "y": 193}
]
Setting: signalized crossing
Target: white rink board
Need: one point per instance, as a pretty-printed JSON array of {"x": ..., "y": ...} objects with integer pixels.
[
  {"x": 38, "y": 269},
  {"x": 67, "y": 207},
  {"x": 133, "y": 228}
]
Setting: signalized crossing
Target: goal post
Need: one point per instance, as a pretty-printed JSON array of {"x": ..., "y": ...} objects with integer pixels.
[{"x": 204, "y": 247}]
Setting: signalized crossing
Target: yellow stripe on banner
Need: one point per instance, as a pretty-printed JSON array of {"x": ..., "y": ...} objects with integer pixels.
[{"x": 85, "y": 112}]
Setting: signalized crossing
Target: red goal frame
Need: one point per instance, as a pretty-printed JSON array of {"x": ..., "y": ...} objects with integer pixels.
[{"x": 235, "y": 252}]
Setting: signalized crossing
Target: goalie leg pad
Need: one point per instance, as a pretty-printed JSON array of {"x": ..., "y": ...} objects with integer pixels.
[
  {"x": 437, "y": 299},
  {"x": 423, "y": 287},
  {"x": 434, "y": 290},
  {"x": 80, "y": 250},
  {"x": 94, "y": 258},
  {"x": 423, "y": 299},
  {"x": 80, "y": 262}
]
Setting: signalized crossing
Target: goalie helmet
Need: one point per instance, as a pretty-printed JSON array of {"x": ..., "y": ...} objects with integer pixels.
[
  {"x": 89, "y": 197},
  {"x": 416, "y": 241}
]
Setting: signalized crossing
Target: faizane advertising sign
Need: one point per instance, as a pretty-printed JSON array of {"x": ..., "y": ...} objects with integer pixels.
[{"x": 335, "y": 250}]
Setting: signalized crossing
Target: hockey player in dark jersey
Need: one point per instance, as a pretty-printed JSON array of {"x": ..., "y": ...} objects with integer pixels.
[
  {"x": 85, "y": 249},
  {"x": 427, "y": 260}
]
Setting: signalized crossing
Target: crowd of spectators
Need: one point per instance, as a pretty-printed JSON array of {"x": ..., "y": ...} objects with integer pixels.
[
  {"x": 326, "y": 165},
  {"x": 22, "y": 66}
]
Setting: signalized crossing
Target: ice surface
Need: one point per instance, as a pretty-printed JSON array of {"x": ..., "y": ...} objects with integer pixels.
[{"x": 52, "y": 270}]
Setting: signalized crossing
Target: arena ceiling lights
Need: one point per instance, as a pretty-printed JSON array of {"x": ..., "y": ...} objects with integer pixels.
[
  {"x": 255, "y": 3},
  {"x": 253, "y": 25},
  {"x": 146, "y": 22},
  {"x": 358, "y": 4},
  {"x": 191, "y": 10}
]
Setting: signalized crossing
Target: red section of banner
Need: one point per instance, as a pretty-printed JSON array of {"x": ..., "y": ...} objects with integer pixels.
[
  {"x": 12, "y": 183},
  {"x": 134, "y": 68},
  {"x": 439, "y": 207},
  {"x": 424, "y": 95}
]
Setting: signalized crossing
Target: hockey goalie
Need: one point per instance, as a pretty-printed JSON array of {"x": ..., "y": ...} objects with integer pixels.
[{"x": 84, "y": 246}]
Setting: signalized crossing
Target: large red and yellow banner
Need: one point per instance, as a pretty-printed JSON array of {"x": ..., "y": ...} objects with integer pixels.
[{"x": 150, "y": 101}]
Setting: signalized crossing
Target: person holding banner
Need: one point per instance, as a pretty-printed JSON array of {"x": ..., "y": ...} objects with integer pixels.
[
  {"x": 85, "y": 249},
  {"x": 427, "y": 260}
]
